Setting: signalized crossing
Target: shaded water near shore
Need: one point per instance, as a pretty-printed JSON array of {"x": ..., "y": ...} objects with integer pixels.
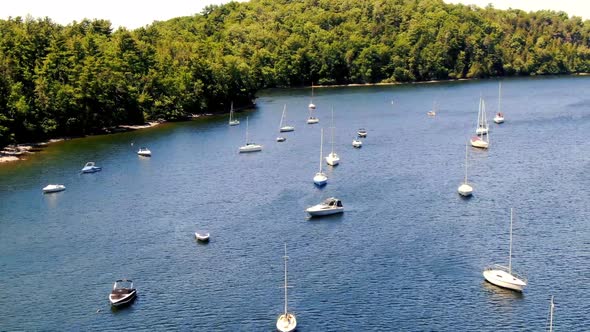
[{"x": 406, "y": 255}]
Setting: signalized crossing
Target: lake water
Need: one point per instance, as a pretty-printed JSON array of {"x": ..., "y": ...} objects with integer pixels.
[{"x": 407, "y": 254}]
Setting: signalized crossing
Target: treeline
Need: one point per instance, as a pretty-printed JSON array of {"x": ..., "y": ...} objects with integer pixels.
[{"x": 84, "y": 77}]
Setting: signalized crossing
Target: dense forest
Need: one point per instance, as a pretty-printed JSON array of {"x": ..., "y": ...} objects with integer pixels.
[{"x": 84, "y": 77}]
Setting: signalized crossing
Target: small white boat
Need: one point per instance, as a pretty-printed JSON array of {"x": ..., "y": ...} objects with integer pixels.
[
  {"x": 123, "y": 293},
  {"x": 499, "y": 118},
  {"x": 333, "y": 159},
  {"x": 283, "y": 127},
  {"x": 357, "y": 143},
  {"x": 504, "y": 276},
  {"x": 327, "y": 207},
  {"x": 53, "y": 188},
  {"x": 287, "y": 321},
  {"x": 145, "y": 152},
  {"x": 479, "y": 142},
  {"x": 465, "y": 189},
  {"x": 281, "y": 139},
  {"x": 433, "y": 111},
  {"x": 203, "y": 237},
  {"x": 249, "y": 147},
  {"x": 362, "y": 132},
  {"x": 90, "y": 167},
  {"x": 320, "y": 177},
  {"x": 232, "y": 121}
]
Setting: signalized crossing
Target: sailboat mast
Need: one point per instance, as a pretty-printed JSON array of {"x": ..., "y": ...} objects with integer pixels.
[
  {"x": 321, "y": 147},
  {"x": 551, "y": 306},
  {"x": 332, "y": 129},
  {"x": 286, "y": 257},
  {"x": 231, "y": 112},
  {"x": 283, "y": 116},
  {"x": 246, "y": 130},
  {"x": 466, "y": 149},
  {"x": 510, "y": 254}
]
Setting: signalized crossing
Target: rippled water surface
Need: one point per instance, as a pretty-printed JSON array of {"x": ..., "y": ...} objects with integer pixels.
[{"x": 407, "y": 255}]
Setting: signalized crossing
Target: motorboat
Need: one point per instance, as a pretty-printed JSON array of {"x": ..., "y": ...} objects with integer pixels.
[
  {"x": 504, "y": 276},
  {"x": 287, "y": 321},
  {"x": 362, "y": 132},
  {"x": 283, "y": 127},
  {"x": 202, "y": 237},
  {"x": 327, "y": 207},
  {"x": 465, "y": 189},
  {"x": 333, "y": 159},
  {"x": 144, "y": 152},
  {"x": 499, "y": 118},
  {"x": 357, "y": 143},
  {"x": 90, "y": 167},
  {"x": 232, "y": 120},
  {"x": 53, "y": 188},
  {"x": 123, "y": 293},
  {"x": 320, "y": 177},
  {"x": 249, "y": 147},
  {"x": 281, "y": 139}
]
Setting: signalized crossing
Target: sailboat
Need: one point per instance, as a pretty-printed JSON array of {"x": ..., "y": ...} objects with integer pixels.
[
  {"x": 250, "y": 147},
  {"x": 312, "y": 119},
  {"x": 433, "y": 112},
  {"x": 287, "y": 321},
  {"x": 482, "y": 119},
  {"x": 320, "y": 177},
  {"x": 504, "y": 276},
  {"x": 479, "y": 141},
  {"x": 283, "y": 127},
  {"x": 465, "y": 189},
  {"x": 333, "y": 159},
  {"x": 551, "y": 308},
  {"x": 499, "y": 118},
  {"x": 232, "y": 121}
]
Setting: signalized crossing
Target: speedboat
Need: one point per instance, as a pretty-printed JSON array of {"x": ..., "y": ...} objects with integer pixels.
[
  {"x": 91, "y": 168},
  {"x": 123, "y": 293},
  {"x": 53, "y": 188},
  {"x": 499, "y": 118},
  {"x": 362, "y": 132},
  {"x": 145, "y": 152},
  {"x": 250, "y": 147},
  {"x": 478, "y": 142},
  {"x": 203, "y": 237},
  {"x": 329, "y": 206},
  {"x": 357, "y": 143},
  {"x": 281, "y": 139}
]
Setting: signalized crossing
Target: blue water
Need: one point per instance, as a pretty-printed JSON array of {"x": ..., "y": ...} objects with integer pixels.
[{"x": 407, "y": 254}]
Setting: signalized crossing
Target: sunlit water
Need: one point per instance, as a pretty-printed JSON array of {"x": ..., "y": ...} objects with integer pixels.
[{"x": 407, "y": 254}]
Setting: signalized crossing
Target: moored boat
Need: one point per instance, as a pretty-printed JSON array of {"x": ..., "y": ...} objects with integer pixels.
[
  {"x": 90, "y": 167},
  {"x": 53, "y": 188},
  {"x": 123, "y": 293},
  {"x": 329, "y": 206},
  {"x": 144, "y": 152},
  {"x": 203, "y": 236}
]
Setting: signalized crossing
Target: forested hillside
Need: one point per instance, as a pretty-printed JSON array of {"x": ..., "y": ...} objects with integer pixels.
[{"x": 81, "y": 78}]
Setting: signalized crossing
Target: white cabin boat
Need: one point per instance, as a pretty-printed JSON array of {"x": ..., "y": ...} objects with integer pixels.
[
  {"x": 329, "y": 206},
  {"x": 90, "y": 167},
  {"x": 53, "y": 188},
  {"x": 144, "y": 152},
  {"x": 504, "y": 276}
]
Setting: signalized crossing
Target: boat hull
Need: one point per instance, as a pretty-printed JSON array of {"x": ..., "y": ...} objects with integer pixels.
[
  {"x": 91, "y": 169},
  {"x": 498, "y": 120},
  {"x": 124, "y": 301},
  {"x": 332, "y": 160},
  {"x": 357, "y": 144},
  {"x": 53, "y": 189},
  {"x": 286, "y": 129},
  {"x": 145, "y": 154},
  {"x": 320, "y": 180},
  {"x": 504, "y": 279},
  {"x": 313, "y": 120},
  {"x": 481, "y": 131},
  {"x": 234, "y": 123},
  {"x": 202, "y": 237},
  {"x": 479, "y": 143},
  {"x": 465, "y": 190},
  {"x": 314, "y": 212},
  {"x": 251, "y": 148},
  {"x": 286, "y": 324}
]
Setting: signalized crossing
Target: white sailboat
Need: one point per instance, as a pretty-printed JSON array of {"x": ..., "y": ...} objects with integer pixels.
[
  {"x": 434, "y": 108},
  {"x": 481, "y": 141},
  {"x": 312, "y": 119},
  {"x": 287, "y": 321},
  {"x": 320, "y": 177},
  {"x": 482, "y": 119},
  {"x": 333, "y": 159},
  {"x": 283, "y": 127},
  {"x": 232, "y": 120},
  {"x": 249, "y": 147},
  {"x": 499, "y": 118},
  {"x": 504, "y": 276},
  {"x": 465, "y": 189}
]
